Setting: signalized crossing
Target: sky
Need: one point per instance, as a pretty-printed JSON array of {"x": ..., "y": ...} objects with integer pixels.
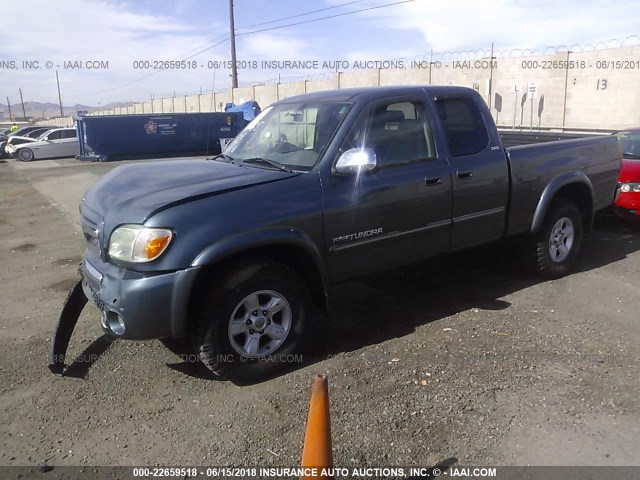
[{"x": 123, "y": 35}]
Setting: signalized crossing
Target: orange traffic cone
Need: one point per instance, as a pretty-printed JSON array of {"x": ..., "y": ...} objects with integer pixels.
[{"x": 317, "y": 451}]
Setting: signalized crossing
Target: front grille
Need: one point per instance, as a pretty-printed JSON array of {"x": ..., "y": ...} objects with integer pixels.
[{"x": 90, "y": 231}]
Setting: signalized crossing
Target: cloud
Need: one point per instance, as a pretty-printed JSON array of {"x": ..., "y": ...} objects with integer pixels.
[
  {"x": 95, "y": 30},
  {"x": 471, "y": 25},
  {"x": 275, "y": 46}
]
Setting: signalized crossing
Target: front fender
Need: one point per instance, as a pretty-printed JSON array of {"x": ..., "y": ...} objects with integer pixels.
[
  {"x": 550, "y": 191},
  {"x": 265, "y": 238}
]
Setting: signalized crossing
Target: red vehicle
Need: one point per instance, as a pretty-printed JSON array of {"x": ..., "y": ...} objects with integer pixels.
[{"x": 628, "y": 204}]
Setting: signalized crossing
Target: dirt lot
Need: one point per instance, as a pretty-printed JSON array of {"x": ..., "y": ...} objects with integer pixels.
[{"x": 466, "y": 357}]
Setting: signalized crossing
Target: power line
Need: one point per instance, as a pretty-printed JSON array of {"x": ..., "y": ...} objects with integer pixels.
[
  {"x": 224, "y": 38},
  {"x": 213, "y": 45},
  {"x": 327, "y": 17},
  {"x": 301, "y": 14},
  {"x": 157, "y": 71}
]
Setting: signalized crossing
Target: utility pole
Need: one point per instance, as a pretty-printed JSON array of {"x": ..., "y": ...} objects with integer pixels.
[
  {"x": 9, "y": 107},
  {"x": 24, "y": 115},
  {"x": 566, "y": 83},
  {"x": 490, "y": 76},
  {"x": 59, "y": 96},
  {"x": 232, "y": 37}
]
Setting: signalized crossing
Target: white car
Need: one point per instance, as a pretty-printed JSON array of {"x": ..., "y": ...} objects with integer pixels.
[
  {"x": 58, "y": 142},
  {"x": 30, "y": 137}
]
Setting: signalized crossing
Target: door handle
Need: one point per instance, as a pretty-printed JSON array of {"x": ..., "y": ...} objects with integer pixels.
[
  {"x": 429, "y": 182},
  {"x": 465, "y": 174}
]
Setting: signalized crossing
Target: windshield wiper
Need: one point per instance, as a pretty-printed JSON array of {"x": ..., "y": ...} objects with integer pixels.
[
  {"x": 631, "y": 155},
  {"x": 269, "y": 162},
  {"x": 222, "y": 157}
]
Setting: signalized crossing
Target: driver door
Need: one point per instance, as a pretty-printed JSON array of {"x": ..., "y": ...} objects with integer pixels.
[{"x": 398, "y": 213}]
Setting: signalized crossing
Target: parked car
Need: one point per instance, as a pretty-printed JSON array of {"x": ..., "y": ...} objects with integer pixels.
[
  {"x": 628, "y": 203},
  {"x": 30, "y": 137},
  {"x": 20, "y": 132},
  {"x": 235, "y": 253},
  {"x": 58, "y": 142}
]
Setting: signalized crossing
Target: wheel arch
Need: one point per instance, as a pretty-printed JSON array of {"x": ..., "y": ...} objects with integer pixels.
[
  {"x": 289, "y": 247},
  {"x": 574, "y": 186}
]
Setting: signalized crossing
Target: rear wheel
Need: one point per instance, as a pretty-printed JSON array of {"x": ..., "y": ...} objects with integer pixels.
[
  {"x": 25, "y": 155},
  {"x": 554, "y": 250},
  {"x": 251, "y": 323}
]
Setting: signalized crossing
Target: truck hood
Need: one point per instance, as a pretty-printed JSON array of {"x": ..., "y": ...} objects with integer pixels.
[
  {"x": 133, "y": 193},
  {"x": 630, "y": 171}
]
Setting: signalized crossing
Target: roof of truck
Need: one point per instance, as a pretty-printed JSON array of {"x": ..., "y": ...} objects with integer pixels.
[{"x": 351, "y": 94}]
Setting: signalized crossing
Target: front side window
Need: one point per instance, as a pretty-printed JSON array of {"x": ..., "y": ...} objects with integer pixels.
[
  {"x": 464, "y": 127},
  {"x": 291, "y": 134},
  {"x": 398, "y": 133}
]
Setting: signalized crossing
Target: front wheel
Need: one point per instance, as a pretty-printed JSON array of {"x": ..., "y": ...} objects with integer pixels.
[
  {"x": 554, "y": 250},
  {"x": 251, "y": 322},
  {"x": 25, "y": 155}
]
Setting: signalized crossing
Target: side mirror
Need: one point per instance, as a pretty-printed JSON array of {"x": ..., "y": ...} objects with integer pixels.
[
  {"x": 356, "y": 160},
  {"x": 45, "y": 139}
]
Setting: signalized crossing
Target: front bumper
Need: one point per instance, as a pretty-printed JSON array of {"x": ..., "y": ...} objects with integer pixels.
[
  {"x": 138, "y": 306},
  {"x": 627, "y": 205}
]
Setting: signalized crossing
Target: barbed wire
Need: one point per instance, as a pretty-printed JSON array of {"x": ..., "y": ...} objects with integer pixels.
[{"x": 430, "y": 57}]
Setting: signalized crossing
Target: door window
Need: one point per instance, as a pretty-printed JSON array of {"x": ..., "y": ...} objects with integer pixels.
[
  {"x": 464, "y": 127},
  {"x": 398, "y": 133}
]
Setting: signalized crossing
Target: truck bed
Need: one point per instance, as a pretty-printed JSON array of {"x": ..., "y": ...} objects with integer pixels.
[{"x": 534, "y": 166}]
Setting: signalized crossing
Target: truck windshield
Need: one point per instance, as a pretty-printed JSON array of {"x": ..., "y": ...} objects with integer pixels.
[
  {"x": 630, "y": 144},
  {"x": 290, "y": 134}
]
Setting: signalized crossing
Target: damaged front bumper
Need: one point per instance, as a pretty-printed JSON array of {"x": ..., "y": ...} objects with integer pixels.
[
  {"x": 73, "y": 306},
  {"x": 133, "y": 305}
]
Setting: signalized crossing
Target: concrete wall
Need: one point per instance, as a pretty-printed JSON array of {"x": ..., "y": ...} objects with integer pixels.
[
  {"x": 572, "y": 90},
  {"x": 58, "y": 122}
]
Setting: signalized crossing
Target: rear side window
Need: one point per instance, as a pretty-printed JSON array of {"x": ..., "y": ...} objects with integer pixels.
[
  {"x": 465, "y": 130},
  {"x": 57, "y": 135},
  {"x": 70, "y": 134}
]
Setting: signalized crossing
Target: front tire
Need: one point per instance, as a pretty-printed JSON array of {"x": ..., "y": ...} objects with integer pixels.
[
  {"x": 251, "y": 322},
  {"x": 554, "y": 250},
  {"x": 25, "y": 155}
]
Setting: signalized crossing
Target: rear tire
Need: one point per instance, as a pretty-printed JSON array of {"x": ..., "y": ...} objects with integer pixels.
[
  {"x": 251, "y": 322},
  {"x": 554, "y": 250},
  {"x": 25, "y": 155}
]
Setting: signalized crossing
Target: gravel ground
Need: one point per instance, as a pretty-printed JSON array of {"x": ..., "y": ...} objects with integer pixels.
[{"x": 465, "y": 357}]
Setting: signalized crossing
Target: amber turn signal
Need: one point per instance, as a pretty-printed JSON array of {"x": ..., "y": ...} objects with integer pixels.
[{"x": 156, "y": 246}]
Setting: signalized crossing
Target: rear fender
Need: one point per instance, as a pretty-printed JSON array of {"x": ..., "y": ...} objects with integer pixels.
[{"x": 550, "y": 192}]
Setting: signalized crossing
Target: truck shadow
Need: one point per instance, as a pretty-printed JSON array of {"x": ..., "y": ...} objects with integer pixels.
[
  {"x": 82, "y": 363},
  {"x": 392, "y": 305}
]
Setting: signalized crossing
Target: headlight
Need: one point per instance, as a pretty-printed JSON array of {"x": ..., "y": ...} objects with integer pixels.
[
  {"x": 630, "y": 187},
  {"x": 135, "y": 243}
]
